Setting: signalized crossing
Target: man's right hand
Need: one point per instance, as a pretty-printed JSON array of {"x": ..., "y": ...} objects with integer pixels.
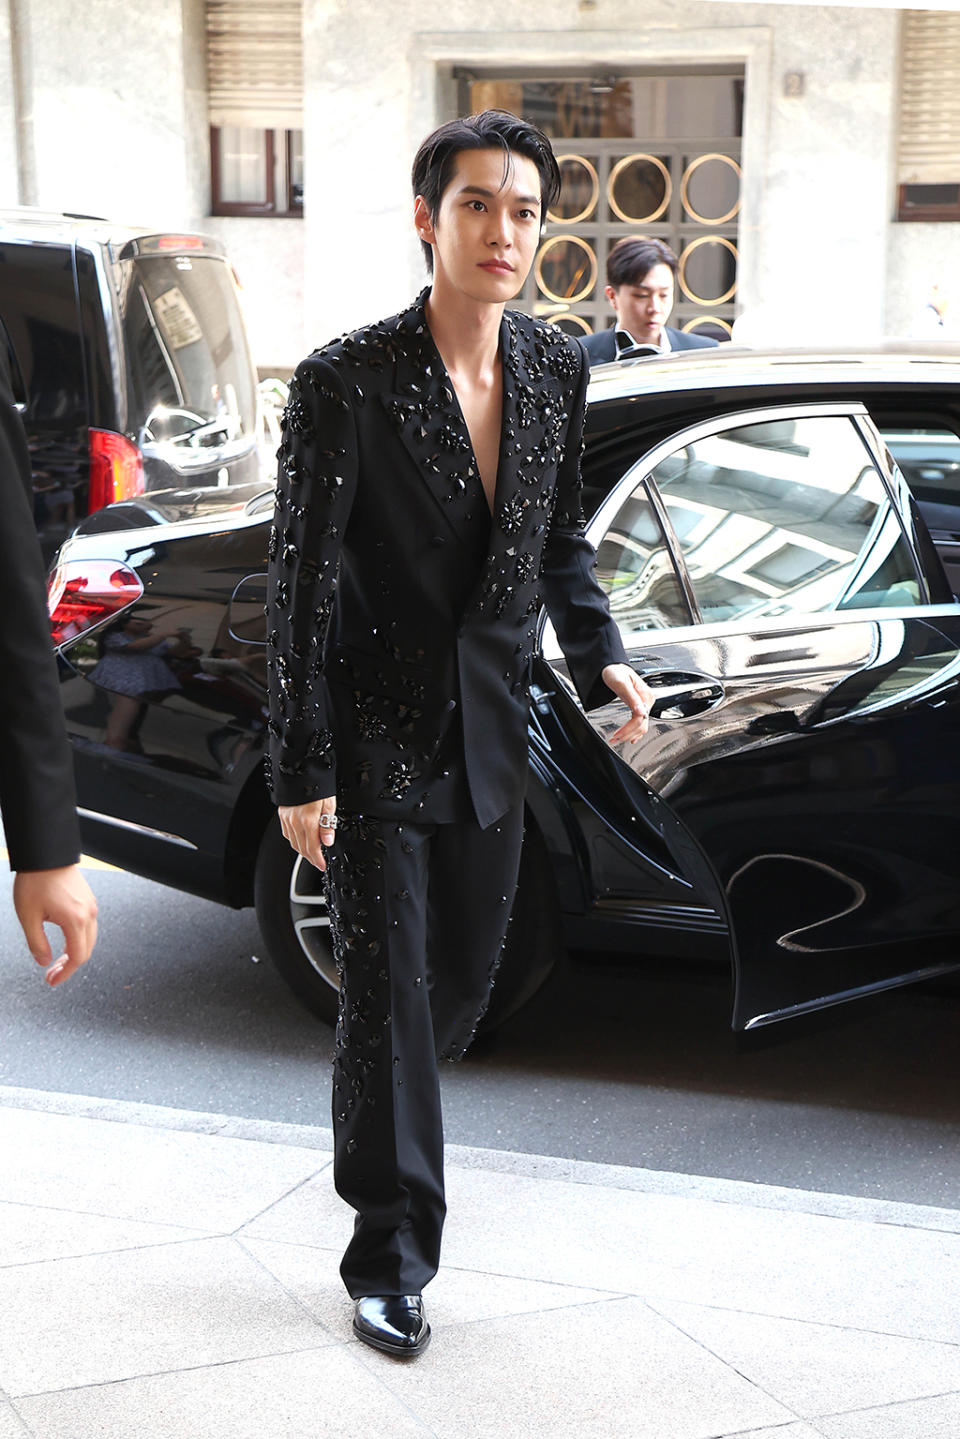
[{"x": 302, "y": 828}]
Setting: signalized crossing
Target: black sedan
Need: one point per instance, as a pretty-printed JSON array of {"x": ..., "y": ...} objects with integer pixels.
[{"x": 793, "y": 811}]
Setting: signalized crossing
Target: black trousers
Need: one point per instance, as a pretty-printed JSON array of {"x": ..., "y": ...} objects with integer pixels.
[{"x": 419, "y": 914}]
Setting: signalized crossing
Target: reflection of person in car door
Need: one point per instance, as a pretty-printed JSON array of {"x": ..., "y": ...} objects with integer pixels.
[
  {"x": 429, "y": 495},
  {"x": 133, "y": 666},
  {"x": 36, "y": 772}
]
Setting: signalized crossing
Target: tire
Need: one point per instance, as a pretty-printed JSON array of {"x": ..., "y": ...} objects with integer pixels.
[{"x": 292, "y": 914}]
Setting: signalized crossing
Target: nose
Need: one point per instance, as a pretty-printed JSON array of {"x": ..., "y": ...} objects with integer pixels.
[{"x": 501, "y": 229}]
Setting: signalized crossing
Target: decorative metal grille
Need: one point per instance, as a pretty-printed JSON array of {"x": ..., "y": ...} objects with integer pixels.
[{"x": 685, "y": 191}]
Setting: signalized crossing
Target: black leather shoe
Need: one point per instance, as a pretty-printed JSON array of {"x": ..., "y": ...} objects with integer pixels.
[{"x": 394, "y": 1323}]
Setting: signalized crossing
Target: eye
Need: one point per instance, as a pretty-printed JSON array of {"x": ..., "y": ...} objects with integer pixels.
[
  {"x": 476, "y": 205},
  {"x": 528, "y": 214}
]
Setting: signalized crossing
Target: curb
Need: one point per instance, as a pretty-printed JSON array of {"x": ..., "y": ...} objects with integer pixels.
[{"x": 546, "y": 1168}]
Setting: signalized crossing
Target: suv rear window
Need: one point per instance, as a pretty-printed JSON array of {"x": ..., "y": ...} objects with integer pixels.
[
  {"x": 190, "y": 376},
  {"x": 39, "y": 308}
]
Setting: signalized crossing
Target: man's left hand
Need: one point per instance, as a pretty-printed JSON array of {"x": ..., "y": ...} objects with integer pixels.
[{"x": 637, "y": 696}]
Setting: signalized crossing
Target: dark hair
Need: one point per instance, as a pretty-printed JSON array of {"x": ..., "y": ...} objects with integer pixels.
[
  {"x": 631, "y": 259},
  {"x": 491, "y": 130}
]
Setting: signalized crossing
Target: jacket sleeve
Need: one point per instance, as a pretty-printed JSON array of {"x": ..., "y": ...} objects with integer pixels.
[
  {"x": 36, "y": 768},
  {"x": 575, "y": 601},
  {"x": 316, "y": 485}
]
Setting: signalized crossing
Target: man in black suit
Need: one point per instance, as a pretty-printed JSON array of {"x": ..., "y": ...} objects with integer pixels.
[
  {"x": 36, "y": 771},
  {"x": 428, "y": 503},
  {"x": 641, "y": 284}
]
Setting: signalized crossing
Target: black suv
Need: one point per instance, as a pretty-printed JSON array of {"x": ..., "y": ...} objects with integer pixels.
[{"x": 130, "y": 363}]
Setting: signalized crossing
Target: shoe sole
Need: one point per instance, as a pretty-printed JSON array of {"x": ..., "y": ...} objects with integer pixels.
[{"x": 398, "y": 1351}]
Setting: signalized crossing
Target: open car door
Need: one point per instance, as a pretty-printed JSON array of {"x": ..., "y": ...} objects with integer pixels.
[{"x": 806, "y": 734}]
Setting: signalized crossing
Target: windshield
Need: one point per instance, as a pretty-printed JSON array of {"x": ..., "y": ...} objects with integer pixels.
[{"x": 192, "y": 386}]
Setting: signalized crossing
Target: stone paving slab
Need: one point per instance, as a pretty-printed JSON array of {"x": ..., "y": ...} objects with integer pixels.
[
  {"x": 175, "y": 1277},
  {"x": 29, "y": 1234},
  {"x": 816, "y": 1368},
  {"x": 323, "y": 1394},
  {"x": 114, "y": 1316},
  {"x": 11, "y": 1426},
  {"x": 131, "y": 1171},
  {"x": 782, "y": 1263},
  {"x": 924, "y": 1419},
  {"x": 608, "y": 1370},
  {"x": 782, "y": 1431}
]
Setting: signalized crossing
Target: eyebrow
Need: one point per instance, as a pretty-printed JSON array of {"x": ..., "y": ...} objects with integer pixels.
[{"x": 492, "y": 194}]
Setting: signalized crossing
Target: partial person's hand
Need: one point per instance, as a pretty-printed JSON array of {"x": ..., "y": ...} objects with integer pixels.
[
  {"x": 61, "y": 897},
  {"x": 636, "y": 695},
  {"x": 303, "y": 827}
]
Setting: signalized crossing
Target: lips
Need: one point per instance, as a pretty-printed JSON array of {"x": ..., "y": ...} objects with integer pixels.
[{"x": 497, "y": 267}]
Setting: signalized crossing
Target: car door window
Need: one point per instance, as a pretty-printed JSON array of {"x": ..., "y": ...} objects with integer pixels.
[
  {"x": 930, "y": 460},
  {"x": 636, "y": 571},
  {"x": 785, "y": 516}
]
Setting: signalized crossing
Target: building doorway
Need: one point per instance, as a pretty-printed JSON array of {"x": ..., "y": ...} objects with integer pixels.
[{"x": 645, "y": 154}]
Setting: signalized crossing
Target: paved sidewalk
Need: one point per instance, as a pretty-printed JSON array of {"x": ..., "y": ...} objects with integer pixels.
[{"x": 170, "y": 1275}]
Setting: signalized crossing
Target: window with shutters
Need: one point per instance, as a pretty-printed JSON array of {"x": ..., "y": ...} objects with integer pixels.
[
  {"x": 255, "y": 88},
  {"x": 928, "y": 161}
]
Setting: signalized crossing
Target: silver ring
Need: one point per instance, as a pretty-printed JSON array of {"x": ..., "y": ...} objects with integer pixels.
[{"x": 328, "y": 821}]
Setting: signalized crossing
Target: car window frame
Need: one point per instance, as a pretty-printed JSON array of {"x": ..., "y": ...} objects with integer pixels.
[{"x": 641, "y": 473}]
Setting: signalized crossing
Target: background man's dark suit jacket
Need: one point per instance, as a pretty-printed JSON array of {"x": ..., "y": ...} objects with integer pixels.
[
  {"x": 421, "y": 686},
  {"x": 36, "y": 770},
  {"x": 600, "y": 345}
]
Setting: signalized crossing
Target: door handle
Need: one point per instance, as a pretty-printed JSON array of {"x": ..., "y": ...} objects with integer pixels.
[{"x": 682, "y": 694}]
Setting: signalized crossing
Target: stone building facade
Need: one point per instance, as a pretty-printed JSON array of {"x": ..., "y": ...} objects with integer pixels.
[{"x": 774, "y": 127}]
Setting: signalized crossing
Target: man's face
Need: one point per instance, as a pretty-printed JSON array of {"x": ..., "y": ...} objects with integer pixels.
[
  {"x": 487, "y": 228},
  {"x": 643, "y": 307}
]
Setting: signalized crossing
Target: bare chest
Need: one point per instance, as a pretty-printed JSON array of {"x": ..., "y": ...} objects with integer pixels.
[{"x": 482, "y": 409}]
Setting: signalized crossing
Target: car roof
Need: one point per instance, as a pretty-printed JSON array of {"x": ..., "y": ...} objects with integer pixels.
[
  {"x": 26, "y": 223},
  {"x": 894, "y": 362}
]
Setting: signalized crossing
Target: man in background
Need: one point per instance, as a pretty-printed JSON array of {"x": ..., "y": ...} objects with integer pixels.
[
  {"x": 641, "y": 285},
  {"x": 37, "y": 798}
]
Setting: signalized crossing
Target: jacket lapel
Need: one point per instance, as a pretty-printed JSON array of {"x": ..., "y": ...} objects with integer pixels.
[
  {"x": 534, "y": 419},
  {"x": 424, "y": 411}
]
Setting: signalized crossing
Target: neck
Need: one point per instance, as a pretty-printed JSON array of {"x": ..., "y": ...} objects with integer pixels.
[{"x": 465, "y": 331}]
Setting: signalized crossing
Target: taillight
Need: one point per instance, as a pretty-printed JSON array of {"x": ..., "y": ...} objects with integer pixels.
[
  {"x": 116, "y": 469},
  {"x": 81, "y": 593}
]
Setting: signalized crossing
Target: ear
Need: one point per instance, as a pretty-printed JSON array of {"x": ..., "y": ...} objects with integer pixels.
[
  {"x": 611, "y": 295},
  {"x": 422, "y": 222}
]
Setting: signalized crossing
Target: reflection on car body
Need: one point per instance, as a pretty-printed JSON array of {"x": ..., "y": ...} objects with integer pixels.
[{"x": 791, "y": 812}]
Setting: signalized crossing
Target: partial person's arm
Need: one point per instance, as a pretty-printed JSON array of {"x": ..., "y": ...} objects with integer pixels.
[
  {"x": 37, "y": 797},
  {"x": 316, "y": 485},
  {"x": 577, "y": 605}
]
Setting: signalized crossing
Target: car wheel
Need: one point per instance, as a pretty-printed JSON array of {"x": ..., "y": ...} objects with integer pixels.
[{"x": 292, "y": 914}]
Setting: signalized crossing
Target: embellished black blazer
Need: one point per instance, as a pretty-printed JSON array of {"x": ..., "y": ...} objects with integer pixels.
[{"x": 401, "y": 614}]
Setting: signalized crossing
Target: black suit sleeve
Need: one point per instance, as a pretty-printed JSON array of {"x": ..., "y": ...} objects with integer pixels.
[
  {"x": 36, "y": 770},
  {"x": 575, "y": 601},
  {"x": 316, "y": 485},
  {"x": 600, "y": 346}
]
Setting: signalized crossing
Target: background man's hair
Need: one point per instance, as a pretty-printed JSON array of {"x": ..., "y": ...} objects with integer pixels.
[
  {"x": 631, "y": 259},
  {"x": 492, "y": 130}
]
